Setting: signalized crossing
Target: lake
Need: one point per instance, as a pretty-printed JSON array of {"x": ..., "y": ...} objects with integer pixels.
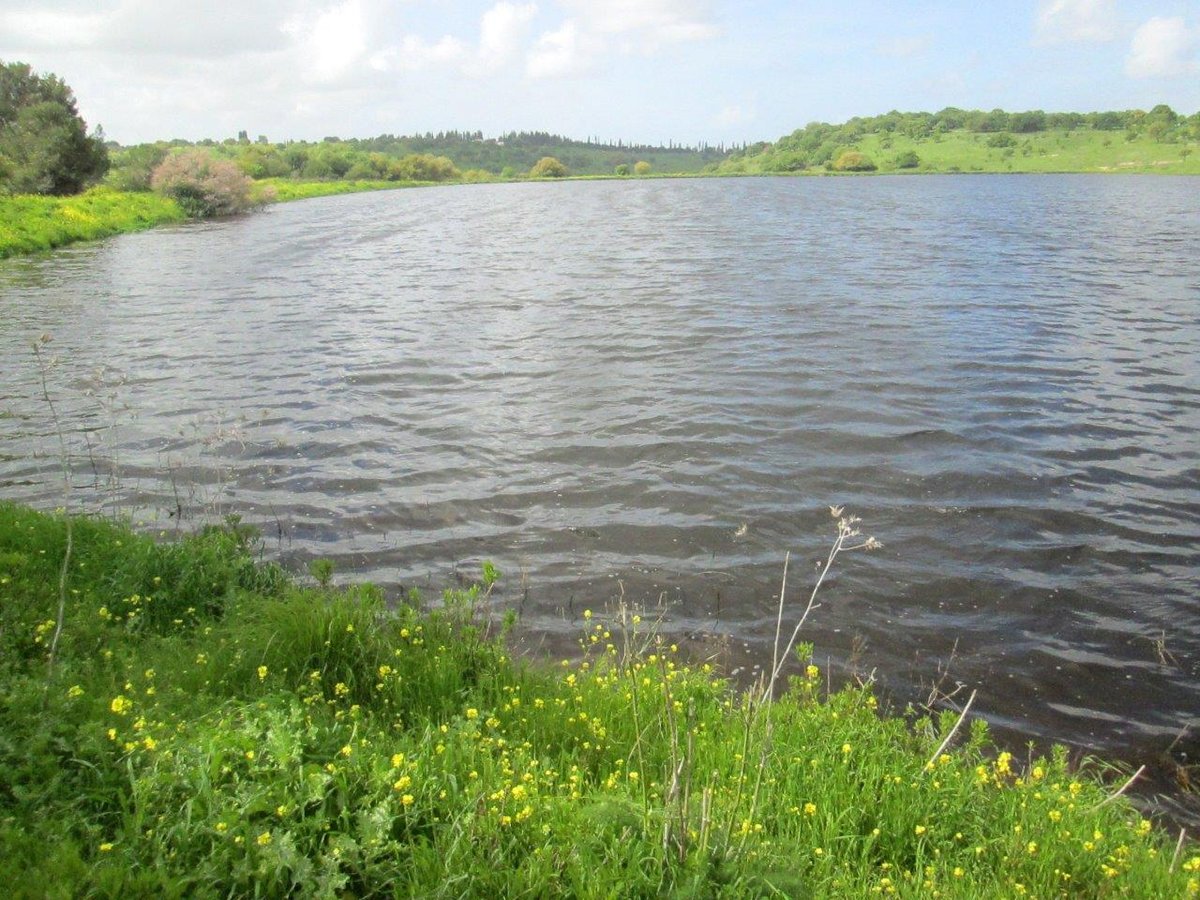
[{"x": 658, "y": 388}]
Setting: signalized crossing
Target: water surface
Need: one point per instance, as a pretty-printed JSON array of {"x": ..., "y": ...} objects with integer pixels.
[{"x": 659, "y": 387}]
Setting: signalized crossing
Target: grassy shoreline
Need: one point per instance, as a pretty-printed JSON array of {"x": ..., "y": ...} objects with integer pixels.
[
  {"x": 33, "y": 224},
  {"x": 209, "y": 726}
]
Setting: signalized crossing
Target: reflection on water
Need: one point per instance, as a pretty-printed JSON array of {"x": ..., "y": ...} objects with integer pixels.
[{"x": 664, "y": 384}]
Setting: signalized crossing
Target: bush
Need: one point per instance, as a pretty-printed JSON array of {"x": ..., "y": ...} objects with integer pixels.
[
  {"x": 133, "y": 168},
  {"x": 641, "y": 167},
  {"x": 548, "y": 167},
  {"x": 622, "y": 169},
  {"x": 853, "y": 161},
  {"x": 1001, "y": 140},
  {"x": 202, "y": 184},
  {"x": 908, "y": 160},
  {"x": 423, "y": 167}
]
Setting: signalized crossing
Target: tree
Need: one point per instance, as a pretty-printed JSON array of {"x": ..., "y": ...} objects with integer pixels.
[
  {"x": 548, "y": 167},
  {"x": 44, "y": 144},
  {"x": 641, "y": 167},
  {"x": 202, "y": 184}
]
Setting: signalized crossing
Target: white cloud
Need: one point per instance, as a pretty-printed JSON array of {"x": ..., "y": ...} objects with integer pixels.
[
  {"x": 49, "y": 29},
  {"x": 332, "y": 42},
  {"x": 598, "y": 27},
  {"x": 652, "y": 22},
  {"x": 1076, "y": 21},
  {"x": 415, "y": 54},
  {"x": 563, "y": 53},
  {"x": 168, "y": 27},
  {"x": 1162, "y": 48},
  {"x": 503, "y": 33}
]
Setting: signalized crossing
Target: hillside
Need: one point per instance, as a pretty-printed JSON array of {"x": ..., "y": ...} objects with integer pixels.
[
  {"x": 446, "y": 156},
  {"x": 973, "y": 141}
]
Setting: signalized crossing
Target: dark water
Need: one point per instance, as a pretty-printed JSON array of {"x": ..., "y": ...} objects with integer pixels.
[{"x": 663, "y": 385}]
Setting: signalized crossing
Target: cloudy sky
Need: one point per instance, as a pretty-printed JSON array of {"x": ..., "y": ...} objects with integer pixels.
[{"x": 644, "y": 70}]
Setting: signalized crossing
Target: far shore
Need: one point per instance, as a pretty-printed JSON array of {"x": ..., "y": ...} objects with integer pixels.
[{"x": 32, "y": 224}]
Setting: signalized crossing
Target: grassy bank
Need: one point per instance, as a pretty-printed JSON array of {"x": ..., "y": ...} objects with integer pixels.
[
  {"x": 206, "y": 726},
  {"x": 1053, "y": 151},
  {"x": 32, "y": 223},
  {"x": 29, "y": 224},
  {"x": 283, "y": 190}
]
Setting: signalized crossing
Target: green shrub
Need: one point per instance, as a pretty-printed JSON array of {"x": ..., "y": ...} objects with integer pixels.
[
  {"x": 548, "y": 167},
  {"x": 907, "y": 160},
  {"x": 622, "y": 169},
  {"x": 853, "y": 161}
]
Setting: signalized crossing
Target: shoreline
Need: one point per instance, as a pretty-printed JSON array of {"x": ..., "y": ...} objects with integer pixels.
[{"x": 33, "y": 224}]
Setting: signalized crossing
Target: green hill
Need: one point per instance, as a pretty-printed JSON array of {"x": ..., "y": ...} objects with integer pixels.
[{"x": 956, "y": 140}]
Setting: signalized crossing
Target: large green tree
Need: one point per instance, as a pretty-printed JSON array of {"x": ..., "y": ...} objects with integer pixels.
[{"x": 44, "y": 144}]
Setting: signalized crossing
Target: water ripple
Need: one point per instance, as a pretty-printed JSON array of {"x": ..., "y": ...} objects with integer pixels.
[{"x": 657, "y": 387}]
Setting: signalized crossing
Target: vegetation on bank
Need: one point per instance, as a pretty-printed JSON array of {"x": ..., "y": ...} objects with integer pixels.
[
  {"x": 956, "y": 140},
  {"x": 31, "y": 223},
  {"x": 204, "y": 725},
  {"x": 44, "y": 144}
]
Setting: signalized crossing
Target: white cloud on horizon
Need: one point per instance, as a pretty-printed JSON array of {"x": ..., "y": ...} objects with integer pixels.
[
  {"x": 1164, "y": 47},
  {"x": 1076, "y": 21}
]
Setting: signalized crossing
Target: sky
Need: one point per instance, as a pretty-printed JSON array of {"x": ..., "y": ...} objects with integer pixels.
[{"x": 649, "y": 71}]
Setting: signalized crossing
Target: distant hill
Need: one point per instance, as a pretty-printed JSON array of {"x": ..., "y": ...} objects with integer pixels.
[
  {"x": 957, "y": 140},
  {"x": 434, "y": 157}
]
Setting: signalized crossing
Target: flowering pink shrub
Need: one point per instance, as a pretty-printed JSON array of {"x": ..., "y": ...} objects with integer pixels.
[{"x": 203, "y": 184}]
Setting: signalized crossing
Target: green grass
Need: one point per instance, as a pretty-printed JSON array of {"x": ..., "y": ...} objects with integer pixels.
[
  {"x": 31, "y": 223},
  {"x": 211, "y": 727},
  {"x": 287, "y": 189},
  {"x": 1081, "y": 151}
]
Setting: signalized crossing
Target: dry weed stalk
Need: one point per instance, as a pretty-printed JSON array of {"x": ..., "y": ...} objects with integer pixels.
[
  {"x": 64, "y": 459},
  {"x": 759, "y": 702}
]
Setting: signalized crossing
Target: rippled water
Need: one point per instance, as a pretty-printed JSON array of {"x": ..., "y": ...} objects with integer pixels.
[{"x": 663, "y": 384}]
